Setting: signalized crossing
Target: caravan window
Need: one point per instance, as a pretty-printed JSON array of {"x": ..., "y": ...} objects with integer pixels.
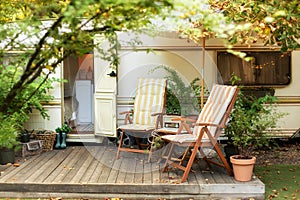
[{"x": 265, "y": 68}]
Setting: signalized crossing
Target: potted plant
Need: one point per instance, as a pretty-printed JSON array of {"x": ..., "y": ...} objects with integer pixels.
[
  {"x": 8, "y": 139},
  {"x": 247, "y": 130},
  {"x": 61, "y": 135},
  {"x": 24, "y": 135}
]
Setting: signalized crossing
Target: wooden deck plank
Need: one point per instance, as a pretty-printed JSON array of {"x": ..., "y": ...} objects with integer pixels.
[
  {"x": 101, "y": 172},
  {"x": 131, "y": 168},
  {"x": 122, "y": 171},
  {"x": 96, "y": 173},
  {"x": 139, "y": 168},
  {"x": 91, "y": 168},
  {"x": 218, "y": 178},
  {"x": 68, "y": 167},
  {"x": 22, "y": 172},
  {"x": 108, "y": 161},
  {"x": 10, "y": 167},
  {"x": 114, "y": 171},
  {"x": 227, "y": 178},
  {"x": 81, "y": 171},
  {"x": 9, "y": 171},
  {"x": 208, "y": 177},
  {"x": 89, "y": 172},
  {"x": 147, "y": 172},
  {"x": 192, "y": 179},
  {"x": 62, "y": 167},
  {"x": 76, "y": 166},
  {"x": 131, "y": 171},
  {"x": 45, "y": 170},
  {"x": 156, "y": 168},
  {"x": 117, "y": 182}
]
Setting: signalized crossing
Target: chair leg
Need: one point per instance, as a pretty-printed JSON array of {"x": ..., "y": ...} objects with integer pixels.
[
  {"x": 189, "y": 165},
  {"x": 187, "y": 150},
  {"x": 168, "y": 158},
  {"x": 223, "y": 159},
  {"x": 163, "y": 154},
  {"x": 151, "y": 149},
  {"x": 120, "y": 144}
]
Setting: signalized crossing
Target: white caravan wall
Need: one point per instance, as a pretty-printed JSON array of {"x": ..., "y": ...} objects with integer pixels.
[
  {"x": 175, "y": 53},
  {"x": 289, "y": 97},
  {"x": 186, "y": 59},
  {"x": 54, "y": 109}
]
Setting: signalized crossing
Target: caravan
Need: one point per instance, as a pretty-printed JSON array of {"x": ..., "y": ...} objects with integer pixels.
[{"x": 96, "y": 93}]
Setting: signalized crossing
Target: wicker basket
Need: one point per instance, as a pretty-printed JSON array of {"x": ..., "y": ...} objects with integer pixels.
[{"x": 47, "y": 137}]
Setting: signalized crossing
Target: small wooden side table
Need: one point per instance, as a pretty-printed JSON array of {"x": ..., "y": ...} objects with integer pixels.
[{"x": 31, "y": 148}]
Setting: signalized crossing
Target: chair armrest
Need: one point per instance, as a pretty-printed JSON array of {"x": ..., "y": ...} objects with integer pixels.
[
  {"x": 127, "y": 116},
  {"x": 184, "y": 119},
  {"x": 126, "y": 112},
  {"x": 154, "y": 114},
  {"x": 159, "y": 119},
  {"x": 208, "y": 124}
]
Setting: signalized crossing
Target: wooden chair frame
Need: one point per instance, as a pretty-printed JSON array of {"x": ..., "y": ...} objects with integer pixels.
[
  {"x": 196, "y": 145},
  {"x": 138, "y": 132}
]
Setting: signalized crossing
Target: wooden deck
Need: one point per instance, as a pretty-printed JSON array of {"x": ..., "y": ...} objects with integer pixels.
[{"x": 92, "y": 172}]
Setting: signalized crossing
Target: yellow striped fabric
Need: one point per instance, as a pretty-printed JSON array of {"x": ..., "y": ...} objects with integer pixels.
[
  {"x": 215, "y": 107},
  {"x": 149, "y": 99}
]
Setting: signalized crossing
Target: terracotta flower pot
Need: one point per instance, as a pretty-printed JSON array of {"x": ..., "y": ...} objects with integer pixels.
[{"x": 242, "y": 168}]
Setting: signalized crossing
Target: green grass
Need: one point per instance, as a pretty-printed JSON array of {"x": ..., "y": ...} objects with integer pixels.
[{"x": 281, "y": 181}]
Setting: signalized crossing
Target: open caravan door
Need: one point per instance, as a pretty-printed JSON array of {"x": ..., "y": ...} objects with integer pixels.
[{"x": 104, "y": 97}]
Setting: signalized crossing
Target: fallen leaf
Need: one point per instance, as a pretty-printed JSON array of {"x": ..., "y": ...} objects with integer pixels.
[
  {"x": 285, "y": 189},
  {"x": 16, "y": 165},
  {"x": 274, "y": 191}
]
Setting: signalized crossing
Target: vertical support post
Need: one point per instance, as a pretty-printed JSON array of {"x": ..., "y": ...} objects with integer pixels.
[{"x": 203, "y": 63}]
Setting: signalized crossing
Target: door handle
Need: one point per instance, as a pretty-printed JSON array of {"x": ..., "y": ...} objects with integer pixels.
[{"x": 112, "y": 74}]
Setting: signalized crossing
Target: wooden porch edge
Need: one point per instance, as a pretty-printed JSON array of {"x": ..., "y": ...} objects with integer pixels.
[
  {"x": 101, "y": 196},
  {"x": 136, "y": 189},
  {"x": 105, "y": 188}
]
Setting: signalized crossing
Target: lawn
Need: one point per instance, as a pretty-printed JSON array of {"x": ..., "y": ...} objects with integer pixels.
[{"x": 281, "y": 181}]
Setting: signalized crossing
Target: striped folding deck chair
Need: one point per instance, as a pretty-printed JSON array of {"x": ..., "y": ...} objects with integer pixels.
[
  {"x": 149, "y": 107},
  {"x": 211, "y": 120}
]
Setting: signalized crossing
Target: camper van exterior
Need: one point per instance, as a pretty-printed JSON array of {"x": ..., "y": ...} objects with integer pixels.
[{"x": 96, "y": 93}]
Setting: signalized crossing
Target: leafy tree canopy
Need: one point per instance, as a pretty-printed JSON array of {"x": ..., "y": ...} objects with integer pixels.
[
  {"x": 275, "y": 22},
  {"x": 45, "y": 32}
]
